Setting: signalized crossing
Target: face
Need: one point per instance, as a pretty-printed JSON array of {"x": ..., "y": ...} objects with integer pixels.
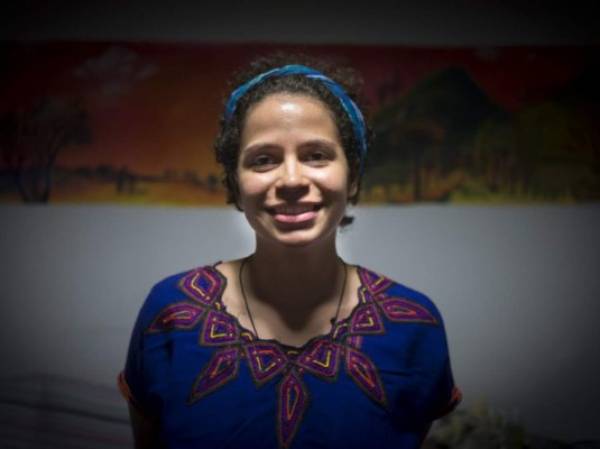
[{"x": 292, "y": 171}]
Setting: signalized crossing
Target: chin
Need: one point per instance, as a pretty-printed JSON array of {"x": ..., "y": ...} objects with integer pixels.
[{"x": 297, "y": 242}]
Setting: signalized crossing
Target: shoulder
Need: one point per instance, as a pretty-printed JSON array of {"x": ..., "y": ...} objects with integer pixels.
[
  {"x": 201, "y": 285},
  {"x": 417, "y": 330},
  {"x": 388, "y": 291}
]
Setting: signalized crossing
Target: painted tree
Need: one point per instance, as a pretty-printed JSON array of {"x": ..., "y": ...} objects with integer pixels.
[{"x": 31, "y": 140}]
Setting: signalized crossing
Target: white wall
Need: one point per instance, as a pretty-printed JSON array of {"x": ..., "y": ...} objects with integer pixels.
[{"x": 518, "y": 286}]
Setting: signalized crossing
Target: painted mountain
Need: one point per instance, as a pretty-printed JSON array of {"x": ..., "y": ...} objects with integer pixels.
[{"x": 446, "y": 140}]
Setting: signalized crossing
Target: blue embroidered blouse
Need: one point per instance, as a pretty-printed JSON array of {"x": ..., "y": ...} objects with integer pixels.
[{"x": 378, "y": 379}]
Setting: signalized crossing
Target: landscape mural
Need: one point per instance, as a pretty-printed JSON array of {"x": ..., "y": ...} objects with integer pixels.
[{"x": 133, "y": 123}]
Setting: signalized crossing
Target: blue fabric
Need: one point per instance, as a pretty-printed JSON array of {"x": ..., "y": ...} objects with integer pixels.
[
  {"x": 395, "y": 328},
  {"x": 356, "y": 117}
]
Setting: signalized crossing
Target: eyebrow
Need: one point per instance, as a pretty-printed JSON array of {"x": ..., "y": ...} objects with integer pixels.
[
  {"x": 319, "y": 142},
  {"x": 309, "y": 143}
]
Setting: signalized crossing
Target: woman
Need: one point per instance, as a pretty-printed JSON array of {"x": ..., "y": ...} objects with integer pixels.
[{"x": 290, "y": 347}]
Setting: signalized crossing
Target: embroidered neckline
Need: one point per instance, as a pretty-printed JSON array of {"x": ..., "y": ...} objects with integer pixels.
[
  {"x": 284, "y": 346},
  {"x": 322, "y": 356}
]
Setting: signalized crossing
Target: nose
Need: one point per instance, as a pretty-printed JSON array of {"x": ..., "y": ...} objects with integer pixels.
[{"x": 292, "y": 184}]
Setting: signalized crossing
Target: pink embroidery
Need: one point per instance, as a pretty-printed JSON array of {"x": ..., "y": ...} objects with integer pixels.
[
  {"x": 222, "y": 367},
  {"x": 202, "y": 285},
  {"x": 341, "y": 329},
  {"x": 403, "y": 310},
  {"x": 266, "y": 360},
  {"x": 366, "y": 320},
  {"x": 363, "y": 372},
  {"x": 321, "y": 358},
  {"x": 219, "y": 329},
  {"x": 180, "y": 315},
  {"x": 293, "y": 400},
  {"x": 374, "y": 282},
  {"x": 354, "y": 341}
]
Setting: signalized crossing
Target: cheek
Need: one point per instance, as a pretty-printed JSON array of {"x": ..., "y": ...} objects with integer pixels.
[
  {"x": 251, "y": 189},
  {"x": 333, "y": 185}
]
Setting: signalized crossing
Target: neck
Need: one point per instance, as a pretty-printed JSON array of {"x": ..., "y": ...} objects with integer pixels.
[{"x": 295, "y": 276}]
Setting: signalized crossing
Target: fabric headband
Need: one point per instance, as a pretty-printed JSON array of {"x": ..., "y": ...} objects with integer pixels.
[{"x": 354, "y": 114}]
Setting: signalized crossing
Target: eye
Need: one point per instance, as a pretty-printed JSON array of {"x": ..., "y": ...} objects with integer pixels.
[
  {"x": 262, "y": 162},
  {"x": 317, "y": 157}
]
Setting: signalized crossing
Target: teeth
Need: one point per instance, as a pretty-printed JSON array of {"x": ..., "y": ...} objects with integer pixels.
[{"x": 293, "y": 210}]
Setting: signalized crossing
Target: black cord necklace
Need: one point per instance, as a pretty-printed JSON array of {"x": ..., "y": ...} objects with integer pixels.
[{"x": 332, "y": 321}]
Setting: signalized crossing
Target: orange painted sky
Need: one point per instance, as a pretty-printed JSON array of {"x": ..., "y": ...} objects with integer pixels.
[{"x": 155, "y": 106}]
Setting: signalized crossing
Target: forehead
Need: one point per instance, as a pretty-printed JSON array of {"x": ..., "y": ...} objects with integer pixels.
[
  {"x": 282, "y": 113},
  {"x": 285, "y": 101},
  {"x": 292, "y": 96}
]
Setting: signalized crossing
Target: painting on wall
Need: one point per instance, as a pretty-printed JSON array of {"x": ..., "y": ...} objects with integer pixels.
[{"x": 133, "y": 123}]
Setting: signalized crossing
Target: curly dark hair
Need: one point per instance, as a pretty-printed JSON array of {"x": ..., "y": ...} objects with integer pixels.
[{"x": 227, "y": 143}]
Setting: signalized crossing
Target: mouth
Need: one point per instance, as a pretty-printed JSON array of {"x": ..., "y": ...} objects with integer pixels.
[{"x": 294, "y": 213}]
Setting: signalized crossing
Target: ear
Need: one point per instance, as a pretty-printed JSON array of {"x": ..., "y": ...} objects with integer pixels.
[{"x": 353, "y": 188}]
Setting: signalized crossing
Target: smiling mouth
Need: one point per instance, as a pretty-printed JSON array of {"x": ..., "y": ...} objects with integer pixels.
[{"x": 294, "y": 213}]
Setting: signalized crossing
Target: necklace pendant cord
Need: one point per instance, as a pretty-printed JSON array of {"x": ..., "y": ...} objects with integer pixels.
[{"x": 332, "y": 321}]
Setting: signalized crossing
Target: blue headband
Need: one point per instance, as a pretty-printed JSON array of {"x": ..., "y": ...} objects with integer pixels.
[{"x": 354, "y": 114}]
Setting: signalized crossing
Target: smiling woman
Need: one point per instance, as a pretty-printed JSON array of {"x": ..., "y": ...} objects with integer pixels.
[
  {"x": 293, "y": 176},
  {"x": 289, "y": 347}
]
